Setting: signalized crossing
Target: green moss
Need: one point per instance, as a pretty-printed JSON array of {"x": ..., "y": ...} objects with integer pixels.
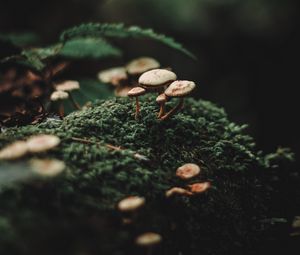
[{"x": 78, "y": 208}]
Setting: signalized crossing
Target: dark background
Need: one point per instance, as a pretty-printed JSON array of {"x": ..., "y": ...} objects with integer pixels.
[{"x": 246, "y": 50}]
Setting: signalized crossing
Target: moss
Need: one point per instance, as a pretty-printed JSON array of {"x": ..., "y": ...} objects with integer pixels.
[{"x": 75, "y": 213}]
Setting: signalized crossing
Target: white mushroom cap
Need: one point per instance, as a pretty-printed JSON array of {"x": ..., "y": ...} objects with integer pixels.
[
  {"x": 188, "y": 171},
  {"x": 137, "y": 91},
  {"x": 156, "y": 78},
  {"x": 131, "y": 203},
  {"x": 113, "y": 75},
  {"x": 178, "y": 191},
  {"x": 122, "y": 91},
  {"x": 68, "y": 86},
  {"x": 47, "y": 167},
  {"x": 59, "y": 95},
  {"x": 162, "y": 98},
  {"x": 199, "y": 187},
  {"x": 180, "y": 88},
  {"x": 141, "y": 65},
  {"x": 148, "y": 239},
  {"x": 40, "y": 143},
  {"x": 13, "y": 151}
]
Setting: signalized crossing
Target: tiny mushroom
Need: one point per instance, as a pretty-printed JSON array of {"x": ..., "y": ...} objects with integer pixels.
[
  {"x": 156, "y": 79},
  {"x": 131, "y": 204},
  {"x": 178, "y": 89},
  {"x": 178, "y": 191},
  {"x": 161, "y": 100},
  {"x": 141, "y": 65},
  {"x": 136, "y": 92},
  {"x": 148, "y": 239},
  {"x": 59, "y": 96},
  {"x": 188, "y": 171},
  {"x": 200, "y": 187},
  {"x": 114, "y": 75},
  {"x": 68, "y": 86},
  {"x": 41, "y": 143},
  {"x": 14, "y": 151},
  {"x": 47, "y": 167}
]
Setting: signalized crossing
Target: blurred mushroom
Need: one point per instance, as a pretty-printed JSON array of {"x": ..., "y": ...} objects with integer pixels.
[
  {"x": 148, "y": 239},
  {"x": 178, "y": 89},
  {"x": 59, "y": 96},
  {"x": 136, "y": 92},
  {"x": 161, "y": 100},
  {"x": 178, "y": 191},
  {"x": 131, "y": 204},
  {"x": 156, "y": 79},
  {"x": 14, "y": 151},
  {"x": 41, "y": 143},
  {"x": 68, "y": 86},
  {"x": 122, "y": 91},
  {"x": 47, "y": 167},
  {"x": 188, "y": 171},
  {"x": 200, "y": 187},
  {"x": 140, "y": 65},
  {"x": 114, "y": 75}
]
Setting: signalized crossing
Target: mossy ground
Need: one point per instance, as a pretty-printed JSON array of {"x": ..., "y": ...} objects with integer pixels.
[{"x": 75, "y": 213}]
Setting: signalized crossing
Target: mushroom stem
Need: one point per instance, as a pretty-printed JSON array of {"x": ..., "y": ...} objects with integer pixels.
[
  {"x": 137, "y": 109},
  {"x": 161, "y": 110},
  {"x": 74, "y": 103},
  {"x": 174, "y": 110},
  {"x": 61, "y": 110}
]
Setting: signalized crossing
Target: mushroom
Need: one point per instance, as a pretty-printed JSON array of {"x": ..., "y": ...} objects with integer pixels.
[
  {"x": 47, "y": 167},
  {"x": 156, "y": 79},
  {"x": 188, "y": 171},
  {"x": 136, "y": 92},
  {"x": 148, "y": 239},
  {"x": 178, "y": 89},
  {"x": 14, "y": 151},
  {"x": 68, "y": 86},
  {"x": 161, "y": 100},
  {"x": 41, "y": 143},
  {"x": 59, "y": 96},
  {"x": 178, "y": 191},
  {"x": 199, "y": 187},
  {"x": 296, "y": 222},
  {"x": 131, "y": 204},
  {"x": 114, "y": 75},
  {"x": 140, "y": 65}
]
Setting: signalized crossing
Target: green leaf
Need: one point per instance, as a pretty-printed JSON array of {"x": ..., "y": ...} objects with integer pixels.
[
  {"x": 93, "y": 48},
  {"x": 120, "y": 31},
  {"x": 20, "y": 39}
]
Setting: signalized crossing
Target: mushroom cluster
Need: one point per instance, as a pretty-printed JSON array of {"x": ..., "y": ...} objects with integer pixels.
[
  {"x": 187, "y": 172},
  {"x": 165, "y": 83},
  {"x": 124, "y": 78},
  {"x": 64, "y": 91}
]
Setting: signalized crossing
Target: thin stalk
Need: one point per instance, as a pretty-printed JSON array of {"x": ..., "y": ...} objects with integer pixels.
[
  {"x": 174, "y": 110},
  {"x": 74, "y": 103}
]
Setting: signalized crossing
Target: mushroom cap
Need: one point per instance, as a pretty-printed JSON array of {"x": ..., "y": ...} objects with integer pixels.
[
  {"x": 59, "y": 95},
  {"x": 199, "y": 187},
  {"x": 178, "y": 191},
  {"x": 187, "y": 171},
  {"x": 156, "y": 78},
  {"x": 68, "y": 85},
  {"x": 113, "y": 75},
  {"x": 296, "y": 222},
  {"x": 148, "y": 239},
  {"x": 40, "y": 143},
  {"x": 141, "y": 65},
  {"x": 180, "y": 88},
  {"x": 137, "y": 91},
  {"x": 14, "y": 151},
  {"x": 122, "y": 91},
  {"x": 162, "y": 98},
  {"x": 47, "y": 167},
  {"x": 131, "y": 203}
]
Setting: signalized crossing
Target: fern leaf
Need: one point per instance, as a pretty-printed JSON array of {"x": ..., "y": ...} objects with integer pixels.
[
  {"x": 88, "y": 48},
  {"x": 120, "y": 31}
]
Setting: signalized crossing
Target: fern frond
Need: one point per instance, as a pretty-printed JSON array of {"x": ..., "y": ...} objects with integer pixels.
[
  {"x": 120, "y": 31},
  {"x": 88, "y": 48}
]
